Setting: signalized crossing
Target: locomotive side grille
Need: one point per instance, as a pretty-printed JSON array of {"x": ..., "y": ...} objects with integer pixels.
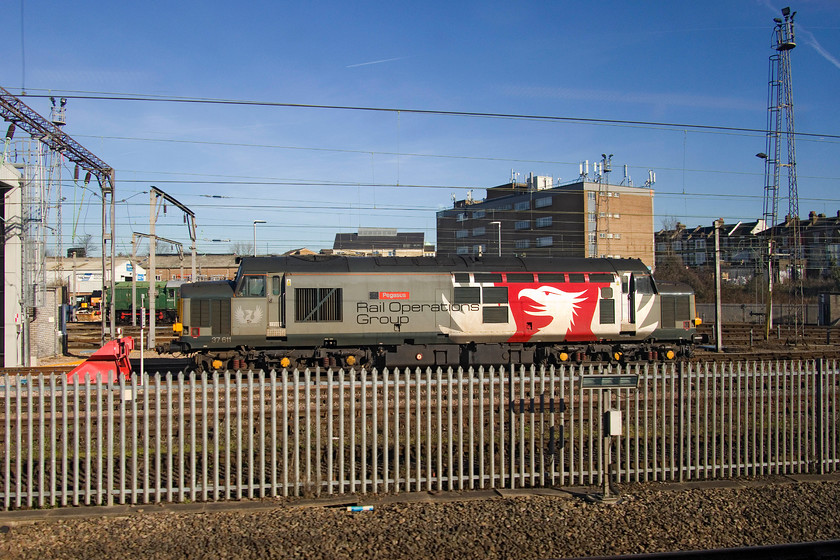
[
  {"x": 467, "y": 295},
  {"x": 495, "y": 314},
  {"x": 213, "y": 313},
  {"x": 669, "y": 310},
  {"x": 220, "y": 316},
  {"x": 318, "y": 304},
  {"x": 200, "y": 313},
  {"x": 683, "y": 304},
  {"x": 607, "y": 311},
  {"x": 496, "y": 294}
]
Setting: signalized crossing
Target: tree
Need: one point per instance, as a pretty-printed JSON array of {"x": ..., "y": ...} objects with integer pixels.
[
  {"x": 242, "y": 248},
  {"x": 84, "y": 242}
]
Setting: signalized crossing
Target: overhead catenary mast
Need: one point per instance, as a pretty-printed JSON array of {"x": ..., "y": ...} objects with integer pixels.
[{"x": 14, "y": 110}]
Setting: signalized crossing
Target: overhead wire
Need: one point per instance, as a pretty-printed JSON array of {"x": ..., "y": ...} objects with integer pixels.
[
  {"x": 715, "y": 129},
  {"x": 103, "y": 96}
]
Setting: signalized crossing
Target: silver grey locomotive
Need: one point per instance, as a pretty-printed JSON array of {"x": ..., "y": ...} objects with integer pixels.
[{"x": 304, "y": 311}]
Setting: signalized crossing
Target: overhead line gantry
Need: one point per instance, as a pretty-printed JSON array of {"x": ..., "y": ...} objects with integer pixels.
[{"x": 14, "y": 110}]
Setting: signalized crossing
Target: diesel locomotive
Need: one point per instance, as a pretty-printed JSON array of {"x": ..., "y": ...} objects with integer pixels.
[{"x": 316, "y": 310}]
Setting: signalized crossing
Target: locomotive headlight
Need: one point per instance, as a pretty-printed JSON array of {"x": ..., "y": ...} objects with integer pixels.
[
  {"x": 670, "y": 354},
  {"x": 697, "y": 321},
  {"x": 564, "y": 357},
  {"x": 418, "y": 356},
  {"x": 351, "y": 360},
  {"x": 285, "y": 362},
  {"x": 178, "y": 328}
]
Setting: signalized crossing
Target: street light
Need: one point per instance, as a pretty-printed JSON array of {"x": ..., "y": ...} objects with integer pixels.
[
  {"x": 500, "y": 235},
  {"x": 255, "y": 234}
]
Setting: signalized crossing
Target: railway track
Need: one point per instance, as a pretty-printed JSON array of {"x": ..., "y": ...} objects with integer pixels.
[
  {"x": 84, "y": 336},
  {"x": 742, "y": 342},
  {"x": 752, "y": 334}
]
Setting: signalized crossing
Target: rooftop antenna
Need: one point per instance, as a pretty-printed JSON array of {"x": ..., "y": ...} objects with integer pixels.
[{"x": 627, "y": 178}]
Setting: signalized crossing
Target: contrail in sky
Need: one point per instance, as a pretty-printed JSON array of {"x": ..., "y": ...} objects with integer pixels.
[
  {"x": 811, "y": 40},
  {"x": 375, "y": 62}
]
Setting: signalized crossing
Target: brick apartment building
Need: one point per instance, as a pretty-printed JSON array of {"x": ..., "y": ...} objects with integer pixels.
[{"x": 536, "y": 218}]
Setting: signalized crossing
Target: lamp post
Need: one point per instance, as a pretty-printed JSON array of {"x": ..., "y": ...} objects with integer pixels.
[
  {"x": 255, "y": 234},
  {"x": 500, "y": 235}
]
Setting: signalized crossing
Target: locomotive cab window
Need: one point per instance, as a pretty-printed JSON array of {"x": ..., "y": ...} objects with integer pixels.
[
  {"x": 644, "y": 284},
  {"x": 251, "y": 286}
]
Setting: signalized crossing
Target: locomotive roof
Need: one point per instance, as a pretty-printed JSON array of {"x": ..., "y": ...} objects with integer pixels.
[{"x": 402, "y": 265}]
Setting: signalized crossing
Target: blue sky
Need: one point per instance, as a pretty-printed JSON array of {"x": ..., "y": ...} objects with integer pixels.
[{"x": 313, "y": 172}]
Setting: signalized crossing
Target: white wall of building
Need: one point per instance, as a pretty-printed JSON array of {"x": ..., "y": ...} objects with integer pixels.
[
  {"x": 13, "y": 320},
  {"x": 84, "y": 275}
]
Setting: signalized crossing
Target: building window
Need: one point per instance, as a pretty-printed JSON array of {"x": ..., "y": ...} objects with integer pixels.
[
  {"x": 542, "y": 202},
  {"x": 479, "y": 249},
  {"x": 590, "y": 217},
  {"x": 618, "y": 236},
  {"x": 462, "y": 250},
  {"x": 524, "y": 205},
  {"x": 522, "y": 243},
  {"x": 544, "y": 241},
  {"x": 462, "y": 216},
  {"x": 478, "y": 214},
  {"x": 479, "y": 231},
  {"x": 545, "y": 221},
  {"x": 522, "y": 224},
  {"x": 461, "y": 233},
  {"x": 590, "y": 195}
]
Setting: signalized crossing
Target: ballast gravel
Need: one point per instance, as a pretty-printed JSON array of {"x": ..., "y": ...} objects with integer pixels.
[{"x": 647, "y": 519}]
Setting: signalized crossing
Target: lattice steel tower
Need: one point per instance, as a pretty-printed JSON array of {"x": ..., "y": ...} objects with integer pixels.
[{"x": 780, "y": 130}]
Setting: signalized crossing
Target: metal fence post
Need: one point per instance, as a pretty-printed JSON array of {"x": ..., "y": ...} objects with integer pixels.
[
  {"x": 681, "y": 412},
  {"x": 819, "y": 421}
]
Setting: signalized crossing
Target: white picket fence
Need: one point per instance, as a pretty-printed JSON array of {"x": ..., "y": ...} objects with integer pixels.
[{"x": 236, "y": 435}]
